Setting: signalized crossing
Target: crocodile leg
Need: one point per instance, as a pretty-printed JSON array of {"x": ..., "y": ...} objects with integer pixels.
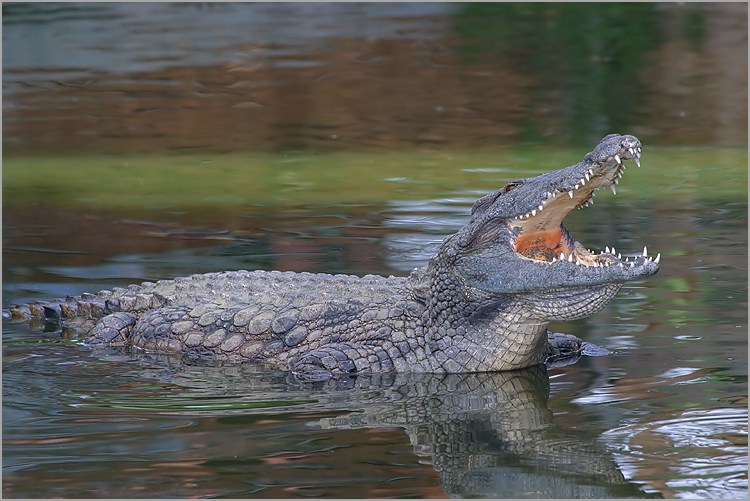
[
  {"x": 336, "y": 359},
  {"x": 566, "y": 349}
]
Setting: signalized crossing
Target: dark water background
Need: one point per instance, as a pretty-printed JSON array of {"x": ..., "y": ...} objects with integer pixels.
[{"x": 148, "y": 141}]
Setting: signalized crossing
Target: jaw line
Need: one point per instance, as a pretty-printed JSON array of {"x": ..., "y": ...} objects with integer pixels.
[{"x": 540, "y": 235}]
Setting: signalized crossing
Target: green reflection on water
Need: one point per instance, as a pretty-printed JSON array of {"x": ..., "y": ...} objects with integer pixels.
[
  {"x": 590, "y": 54},
  {"x": 226, "y": 181}
]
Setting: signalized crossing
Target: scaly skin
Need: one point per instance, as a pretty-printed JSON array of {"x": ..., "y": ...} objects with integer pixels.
[{"x": 482, "y": 303}]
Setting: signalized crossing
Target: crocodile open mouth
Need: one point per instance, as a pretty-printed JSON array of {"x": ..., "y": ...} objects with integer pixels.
[{"x": 540, "y": 234}]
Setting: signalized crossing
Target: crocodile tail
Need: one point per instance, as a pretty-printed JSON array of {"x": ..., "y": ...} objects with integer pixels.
[
  {"x": 92, "y": 306},
  {"x": 89, "y": 306}
]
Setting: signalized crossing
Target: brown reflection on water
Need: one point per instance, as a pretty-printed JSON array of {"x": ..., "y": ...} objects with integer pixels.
[
  {"x": 382, "y": 92},
  {"x": 367, "y": 94},
  {"x": 701, "y": 93},
  {"x": 206, "y": 460}
]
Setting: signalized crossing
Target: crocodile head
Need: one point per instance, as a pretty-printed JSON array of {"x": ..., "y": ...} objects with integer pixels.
[{"x": 516, "y": 243}]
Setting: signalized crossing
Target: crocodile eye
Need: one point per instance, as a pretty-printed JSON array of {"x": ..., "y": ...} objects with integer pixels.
[{"x": 510, "y": 186}]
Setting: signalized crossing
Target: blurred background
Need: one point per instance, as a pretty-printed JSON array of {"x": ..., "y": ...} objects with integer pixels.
[{"x": 218, "y": 77}]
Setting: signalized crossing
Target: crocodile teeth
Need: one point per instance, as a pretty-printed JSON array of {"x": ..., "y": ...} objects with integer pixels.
[
  {"x": 588, "y": 178},
  {"x": 637, "y": 160},
  {"x": 541, "y": 206},
  {"x": 606, "y": 249},
  {"x": 562, "y": 257},
  {"x": 645, "y": 251},
  {"x": 658, "y": 257},
  {"x": 570, "y": 193},
  {"x": 612, "y": 187},
  {"x": 570, "y": 257},
  {"x": 617, "y": 159},
  {"x": 533, "y": 212},
  {"x": 582, "y": 182}
]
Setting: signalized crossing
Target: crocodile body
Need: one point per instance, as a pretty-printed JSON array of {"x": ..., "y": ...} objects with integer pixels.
[{"x": 482, "y": 303}]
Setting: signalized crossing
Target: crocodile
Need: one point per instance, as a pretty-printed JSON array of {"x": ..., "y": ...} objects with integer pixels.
[{"x": 482, "y": 303}]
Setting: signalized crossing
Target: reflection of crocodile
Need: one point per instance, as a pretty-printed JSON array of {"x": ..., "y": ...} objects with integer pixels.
[
  {"x": 487, "y": 434},
  {"x": 482, "y": 303}
]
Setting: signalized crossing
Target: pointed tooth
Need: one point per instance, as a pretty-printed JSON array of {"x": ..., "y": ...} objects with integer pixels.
[
  {"x": 541, "y": 207},
  {"x": 591, "y": 171},
  {"x": 606, "y": 249},
  {"x": 583, "y": 182},
  {"x": 645, "y": 251},
  {"x": 632, "y": 151},
  {"x": 570, "y": 257},
  {"x": 562, "y": 257},
  {"x": 617, "y": 181},
  {"x": 576, "y": 187},
  {"x": 612, "y": 187},
  {"x": 657, "y": 258},
  {"x": 619, "y": 256},
  {"x": 570, "y": 193},
  {"x": 533, "y": 212},
  {"x": 617, "y": 159},
  {"x": 588, "y": 178},
  {"x": 637, "y": 161}
]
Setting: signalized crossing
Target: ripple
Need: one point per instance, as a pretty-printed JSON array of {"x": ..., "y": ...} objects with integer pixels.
[{"x": 696, "y": 453}]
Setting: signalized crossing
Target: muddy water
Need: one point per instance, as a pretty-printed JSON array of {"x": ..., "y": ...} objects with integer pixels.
[{"x": 353, "y": 142}]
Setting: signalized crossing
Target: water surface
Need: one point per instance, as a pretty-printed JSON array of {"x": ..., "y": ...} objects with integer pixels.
[{"x": 351, "y": 139}]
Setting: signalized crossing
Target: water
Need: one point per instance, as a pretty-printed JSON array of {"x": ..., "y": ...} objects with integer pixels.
[{"x": 151, "y": 161}]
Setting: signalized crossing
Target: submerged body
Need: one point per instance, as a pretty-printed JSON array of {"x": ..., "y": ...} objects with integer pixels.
[{"x": 482, "y": 303}]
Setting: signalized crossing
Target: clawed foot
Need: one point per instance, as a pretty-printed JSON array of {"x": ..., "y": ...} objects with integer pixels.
[{"x": 566, "y": 349}]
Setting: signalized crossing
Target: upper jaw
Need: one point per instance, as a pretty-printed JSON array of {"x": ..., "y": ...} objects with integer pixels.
[
  {"x": 604, "y": 166},
  {"x": 540, "y": 235}
]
